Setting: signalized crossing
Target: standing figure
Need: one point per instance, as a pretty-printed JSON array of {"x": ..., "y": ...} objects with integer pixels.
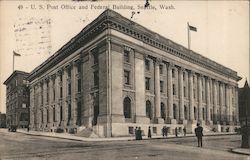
[
  {"x": 163, "y": 131},
  {"x": 199, "y": 134},
  {"x": 184, "y": 131},
  {"x": 136, "y": 133},
  {"x": 166, "y": 131},
  {"x": 176, "y": 132},
  {"x": 149, "y": 132},
  {"x": 139, "y": 133}
]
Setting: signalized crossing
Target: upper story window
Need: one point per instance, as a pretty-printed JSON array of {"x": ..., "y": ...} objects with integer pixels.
[
  {"x": 161, "y": 69},
  {"x": 147, "y": 83},
  {"x": 184, "y": 91},
  {"x": 96, "y": 78},
  {"x": 79, "y": 68},
  {"x": 61, "y": 77},
  {"x": 161, "y": 86},
  {"x": 147, "y": 64},
  {"x": 173, "y": 73},
  {"x": 174, "y": 89},
  {"x": 69, "y": 72},
  {"x": 126, "y": 56},
  {"x": 95, "y": 56},
  {"x": 184, "y": 74},
  {"x": 126, "y": 77}
]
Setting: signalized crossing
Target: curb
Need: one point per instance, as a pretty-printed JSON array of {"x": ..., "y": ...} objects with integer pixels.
[
  {"x": 125, "y": 139},
  {"x": 238, "y": 151}
]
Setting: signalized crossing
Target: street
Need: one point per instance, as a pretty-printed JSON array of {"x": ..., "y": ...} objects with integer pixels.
[{"x": 22, "y": 146}]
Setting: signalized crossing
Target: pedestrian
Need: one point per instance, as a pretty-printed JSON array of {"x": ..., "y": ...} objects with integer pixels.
[
  {"x": 139, "y": 133},
  {"x": 199, "y": 134},
  {"x": 163, "y": 131},
  {"x": 176, "y": 132},
  {"x": 136, "y": 133},
  {"x": 149, "y": 132},
  {"x": 184, "y": 131}
]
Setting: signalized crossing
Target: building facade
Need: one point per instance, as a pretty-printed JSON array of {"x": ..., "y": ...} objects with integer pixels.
[
  {"x": 244, "y": 105},
  {"x": 17, "y": 99},
  {"x": 116, "y": 75}
]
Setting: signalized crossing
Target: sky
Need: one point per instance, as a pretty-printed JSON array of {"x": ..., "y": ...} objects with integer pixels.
[{"x": 38, "y": 29}]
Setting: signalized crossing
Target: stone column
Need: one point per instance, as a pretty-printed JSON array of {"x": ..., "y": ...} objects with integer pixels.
[
  {"x": 191, "y": 96},
  {"x": 73, "y": 94},
  {"x": 140, "y": 89},
  {"x": 215, "y": 101},
  {"x": 221, "y": 101},
  {"x": 64, "y": 102},
  {"x": 208, "y": 100},
  {"x": 236, "y": 105},
  {"x": 170, "y": 93},
  {"x": 227, "y": 103},
  {"x": 158, "y": 118},
  {"x": 181, "y": 95},
  {"x": 200, "y": 98},
  {"x": 230, "y": 119}
]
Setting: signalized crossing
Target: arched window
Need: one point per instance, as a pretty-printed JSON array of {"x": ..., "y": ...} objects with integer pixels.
[
  {"x": 174, "y": 110},
  {"x": 203, "y": 113},
  {"x": 163, "y": 111},
  {"x": 195, "y": 113},
  {"x": 148, "y": 110},
  {"x": 127, "y": 107},
  {"x": 185, "y": 112}
]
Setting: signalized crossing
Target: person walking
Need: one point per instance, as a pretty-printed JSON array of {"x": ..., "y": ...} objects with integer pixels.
[
  {"x": 176, "y": 132},
  {"x": 199, "y": 134},
  {"x": 184, "y": 131},
  {"x": 149, "y": 132},
  {"x": 163, "y": 131}
]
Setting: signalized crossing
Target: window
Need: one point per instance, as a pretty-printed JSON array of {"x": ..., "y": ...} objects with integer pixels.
[
  {"x": 147, "y": 85},
  {"x": 147, "y": 64},
  {"x": 163, "y": 111},
  {"x": 42, "y": 116},
  {"x": 79, "y": 110},
  {"x": 203, "y": 113},
  {"x": 96, "y": 78},
  {"x": 174, "y": 111},
  {"x": 184, "y": 91},
  {"x": 195, "y": 113},
  {"x": 184, "y": 75},
  {"x": 173, "y": 73},
  {"x": 161, "y": 69},
  {"x": 54, "y": 90},
  {"x": 194, "y": 94},
  {"x": 126, "y": 55},
  {"x": 126, "y": 77},
  {"x": 148, "y": 110},
  {"x": 79, "y": 68},
  {"x": 69, "y": 88},
  {"x": 47, "y": 115},
  {"x": 174, "y": 89},
  {"x": 69, "y": 73},
  {"x": 95, "y": 57},
  {"x": 47, "y": 91},
  {"x": 161, "y": 86},
  {"x": 61, "y": 92},
  {"x": 127, "y": 107},
  {"x": 79, "y": 85},
  {"x": 185, "y": 112},
  {"x": 61, "y": 77},
  {"x": 61, "y": 113},
  {"x": 69, "y": 112},
  {"x": 54, "y": 114}
]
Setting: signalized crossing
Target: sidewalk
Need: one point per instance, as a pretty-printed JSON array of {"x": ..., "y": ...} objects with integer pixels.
[
  {"x": 245, "y": 151},
  {"x": 77, "y": 138}
]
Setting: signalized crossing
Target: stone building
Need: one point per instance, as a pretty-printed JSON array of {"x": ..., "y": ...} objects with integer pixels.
[
  {"x": 116, "y": 75},
  {"x": 17, "y": 99},
  {"x": 244, "y": 104}
]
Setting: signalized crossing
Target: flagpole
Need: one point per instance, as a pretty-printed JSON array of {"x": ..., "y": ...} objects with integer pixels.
[{"x": 188, "y": 35}]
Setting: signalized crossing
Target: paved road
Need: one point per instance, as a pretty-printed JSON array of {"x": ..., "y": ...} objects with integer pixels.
[{"x": 21, "y": 146}]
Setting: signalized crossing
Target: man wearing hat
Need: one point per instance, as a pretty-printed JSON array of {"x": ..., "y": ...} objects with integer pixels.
[{"x": 199, "y": 134}]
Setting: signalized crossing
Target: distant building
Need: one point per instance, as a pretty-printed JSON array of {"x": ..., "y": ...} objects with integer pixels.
[
  {"x": 244, "y": 104},
  {"x": 17, "y": 99},
  {"x": 2, "y": 120},
  {"x": 116, "y": 75}
]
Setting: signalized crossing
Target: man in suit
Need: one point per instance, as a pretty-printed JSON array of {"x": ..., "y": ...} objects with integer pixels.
[{"x": 199, "y": 134}]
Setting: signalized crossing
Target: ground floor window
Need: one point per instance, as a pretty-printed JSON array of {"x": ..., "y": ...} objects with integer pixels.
[
  {"x": 148, "y": 110},
  {"x": 127, "y": 107}
]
